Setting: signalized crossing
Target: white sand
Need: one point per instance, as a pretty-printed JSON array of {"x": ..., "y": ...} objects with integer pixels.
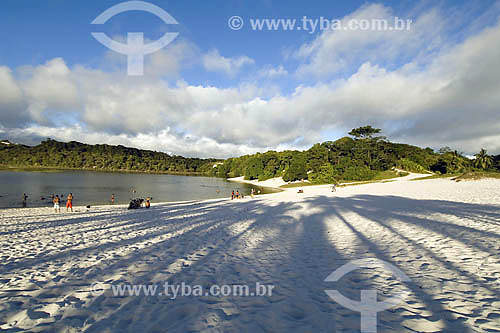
[
  {"x": 444, "y": 235},
  {"x": 273, "y": 182}
]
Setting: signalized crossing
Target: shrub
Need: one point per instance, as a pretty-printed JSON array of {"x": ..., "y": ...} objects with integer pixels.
[
  {"x": 358, "y": 173},
  {"x": 296, "y": 170},
  {"x": 325, "y": 175},
  {"x": 440, "y": 167},
  {"x": 254, "y": 168},
  {"x": 410, "y": 165}
]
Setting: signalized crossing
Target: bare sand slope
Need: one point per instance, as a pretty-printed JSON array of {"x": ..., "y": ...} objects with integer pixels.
[{"x": 444, "y": 236}]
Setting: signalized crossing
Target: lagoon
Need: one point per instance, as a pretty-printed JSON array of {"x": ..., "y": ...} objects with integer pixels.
[{"x": 95, "y": 188}]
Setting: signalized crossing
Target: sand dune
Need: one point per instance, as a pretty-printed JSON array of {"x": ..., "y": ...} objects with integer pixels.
[{"x": 445, "y": 236}]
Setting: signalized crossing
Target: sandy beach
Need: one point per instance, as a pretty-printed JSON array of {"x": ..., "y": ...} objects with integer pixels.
[{"x": 57, "y": 271}]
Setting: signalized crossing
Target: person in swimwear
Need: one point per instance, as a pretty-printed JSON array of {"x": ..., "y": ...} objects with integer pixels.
[
  {"x": 69, "y": 202},
  {"x": 56, "y": 202}
]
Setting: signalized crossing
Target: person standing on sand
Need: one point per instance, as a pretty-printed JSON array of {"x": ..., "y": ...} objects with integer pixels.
[
  {"x": 237, "y": 194},
  {"x": 69, "y": 202},
  {"x": 113, "y": 199},
  {"x": 56, "y": 202},
  {"x": 232, "y": 195}
]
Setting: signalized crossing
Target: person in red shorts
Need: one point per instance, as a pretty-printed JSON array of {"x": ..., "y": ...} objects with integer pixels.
[{"x": 69, "y": 202}]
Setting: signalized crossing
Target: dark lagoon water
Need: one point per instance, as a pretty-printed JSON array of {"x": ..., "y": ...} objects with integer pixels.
[{"x": 95, "y": 188}]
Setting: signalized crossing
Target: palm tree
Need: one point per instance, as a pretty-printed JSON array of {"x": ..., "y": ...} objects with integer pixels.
[
  {"x": 457, "y": 161},
  {"x": 483, "y": 160}
]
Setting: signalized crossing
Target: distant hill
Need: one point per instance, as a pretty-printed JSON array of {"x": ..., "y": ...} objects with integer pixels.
[
  {"x": 76, "y": 155},
  {"x": 363, "y": 157}
]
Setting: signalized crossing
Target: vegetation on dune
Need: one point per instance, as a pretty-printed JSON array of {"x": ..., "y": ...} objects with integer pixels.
[
  {"x": 483, "y": 160},
  {"x": 470, "y": 175},
  {"x": 359, "y": 158},
  {"x": 475, "y": 175},
  {"x": 409, "y": 165},
  {"x": 362, "y": 157},
  {"x": 437, "y": 176},
  {"x": 381, "y": 176}
]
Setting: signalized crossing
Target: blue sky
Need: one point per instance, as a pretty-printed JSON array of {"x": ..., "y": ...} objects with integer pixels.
[
  {"x": 219, "y": 92},
  {"x": 36, "y": 31}
]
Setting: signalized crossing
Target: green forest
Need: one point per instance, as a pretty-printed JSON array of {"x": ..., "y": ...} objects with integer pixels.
[
  {"x": 363, "y": 155},
  {"x": 76, "y": 155}
]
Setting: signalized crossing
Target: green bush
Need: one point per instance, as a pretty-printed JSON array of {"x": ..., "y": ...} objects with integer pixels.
[
  {"x": 254, "y": 168},
  {"x": 409, "y": 165},
  {"x": 325, "y": 175},
  {"x": 358, "y": 173},
  {"x": 296, "y": 170}
]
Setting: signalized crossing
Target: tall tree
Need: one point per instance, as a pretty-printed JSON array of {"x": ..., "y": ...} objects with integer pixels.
[
  {"x": 364, "y": 132},
  {"x": 483, "y": 160}
]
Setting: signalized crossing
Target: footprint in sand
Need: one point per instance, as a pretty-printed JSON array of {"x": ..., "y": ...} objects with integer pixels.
[
  {"x": 34, "y": 315},
  {"x": 295, "y": 312},
  {"x": 424, "y": 266},
  {"x": 494, "y": 316}
]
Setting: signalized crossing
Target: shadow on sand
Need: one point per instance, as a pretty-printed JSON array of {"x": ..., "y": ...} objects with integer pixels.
[{"x": 293, "y": 246}]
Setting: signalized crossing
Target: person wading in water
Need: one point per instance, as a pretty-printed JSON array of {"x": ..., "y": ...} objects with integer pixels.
[{"x": 25, "y": 198}]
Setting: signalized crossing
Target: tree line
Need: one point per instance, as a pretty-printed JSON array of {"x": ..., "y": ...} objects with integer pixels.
[
  {"x": 361, "y": 156},
  {"x": 75, "y": 155}
]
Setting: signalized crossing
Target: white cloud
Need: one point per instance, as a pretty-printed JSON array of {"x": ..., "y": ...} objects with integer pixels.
[
  {"x": 214, "y": 62},
  {"x": 188, "y": 145},
  {"x": 169, "y": 61},
  {"x": 12, "y": 107},
  {"x": 49, "y": 90},
  {"x": 273, "y": 72},
  {"x": 449, "y": 99},
  {"x": 338, "y": 51}
]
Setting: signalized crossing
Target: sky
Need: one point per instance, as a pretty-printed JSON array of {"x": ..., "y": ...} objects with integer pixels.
[{"x": 220, "y": 92}]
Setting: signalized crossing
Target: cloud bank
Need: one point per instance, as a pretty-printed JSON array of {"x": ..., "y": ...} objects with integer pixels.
[{"x": 416, "y": 86}]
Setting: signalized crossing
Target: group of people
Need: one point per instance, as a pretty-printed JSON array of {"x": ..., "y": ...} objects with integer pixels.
[
  {"x": 140, "y": 202},
  {"x": 238, "y": 195},
  {"x": 57, "y": 202}
]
